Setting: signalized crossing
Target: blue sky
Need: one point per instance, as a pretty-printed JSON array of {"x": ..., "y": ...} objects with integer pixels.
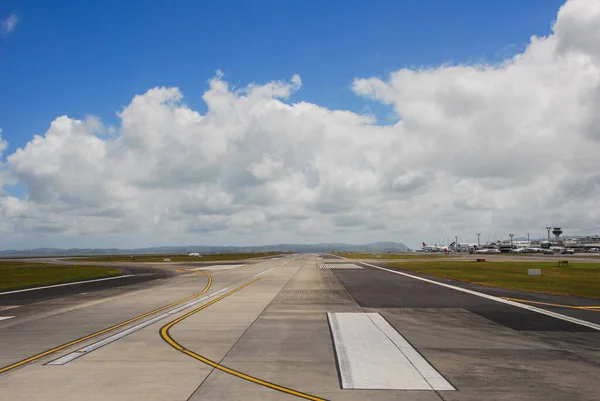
[
  {"x": 254, "y": 170},
  {"x": 78, "y": 58}
]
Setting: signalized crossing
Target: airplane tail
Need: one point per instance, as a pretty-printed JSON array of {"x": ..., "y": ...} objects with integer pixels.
[
  {"x": 423, "y": 244},
  {"x": 452, "y": 244}
]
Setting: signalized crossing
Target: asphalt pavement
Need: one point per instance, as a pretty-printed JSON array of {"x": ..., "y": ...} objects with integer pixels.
[{"x": 289, "y": 328}]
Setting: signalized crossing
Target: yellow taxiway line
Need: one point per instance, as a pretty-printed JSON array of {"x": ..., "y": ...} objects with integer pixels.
[
  {"x": 526, "y": 301},
  {"x": 82, "y": 339},
  {"x": 164, "y": 333}
]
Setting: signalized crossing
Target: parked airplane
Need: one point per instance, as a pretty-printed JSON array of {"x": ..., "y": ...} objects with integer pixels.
[
  {"x": 534, "y": 250},
  {"x": 488, "y": 250},
  {"x": 193, "y": 254},
  {"x": 436, "y": 248}
]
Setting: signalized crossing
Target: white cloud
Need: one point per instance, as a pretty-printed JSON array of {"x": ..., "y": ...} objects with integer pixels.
[
  {"x": 10, "y": 23},
  {"x": 498, "y": 149}
]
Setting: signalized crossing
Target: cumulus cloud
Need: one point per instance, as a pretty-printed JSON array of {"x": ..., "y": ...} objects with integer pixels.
[
  {"x": 479, "y": 148},
  {"x": 10, "y": 23}
]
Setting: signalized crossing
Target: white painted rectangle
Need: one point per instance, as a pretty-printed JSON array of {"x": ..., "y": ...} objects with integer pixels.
[
  {"x": 534, "y": 272},
  {"x": 6, "y": 317},
  {"x": 432, "y": 376},
  {"x": 372, "y": 355}
]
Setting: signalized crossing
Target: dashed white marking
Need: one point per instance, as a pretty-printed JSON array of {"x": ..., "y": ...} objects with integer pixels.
[
  {"x": 497, "y": 299},
  {"x": 372, "y": 355},
  {"x": 216, "y": 267},
  {"x": 339, "y": 266},
  {"x": 265, "y": 272},
  {"x": 65, "y": 284},
  {"x": 6, "y": 317},
  {"x": 9, "y": 307}
]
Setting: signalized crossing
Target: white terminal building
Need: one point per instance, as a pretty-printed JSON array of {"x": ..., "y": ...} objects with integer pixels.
[{"x": 553, "y": 243}]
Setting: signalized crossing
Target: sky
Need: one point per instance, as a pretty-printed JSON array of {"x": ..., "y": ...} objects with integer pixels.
[{"x": 132, "y": 124}]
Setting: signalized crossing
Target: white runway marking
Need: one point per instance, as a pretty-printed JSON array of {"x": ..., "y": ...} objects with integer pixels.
[
  {"x": 98, "y": 344},
  {"x": 265, "y": 272},
  {"x": 435, "y": 380},
  {"x": 337, "y": 256},
  {"x": 9, "y": 307},
  {"x": 497, "y": 299},
  {"x": 65, "y": 284},
  {"x": 372, "y": 355},
  {"x": 339, "y": 266},
  {"x": 6, "y": 317},
  {"x": 94, "y": 346},
  {"x": 216, "y": 267}
]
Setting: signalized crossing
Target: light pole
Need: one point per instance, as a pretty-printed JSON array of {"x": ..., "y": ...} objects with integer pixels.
[
  {"x": 478, "y": 243},
  {"x": 455, "y": 243},
  {"x": 527, "y": 237},
  {"x": 511, "y": 237}
]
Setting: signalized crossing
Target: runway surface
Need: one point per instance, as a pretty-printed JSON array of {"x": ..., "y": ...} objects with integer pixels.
[{"x": 297, "y": 328}]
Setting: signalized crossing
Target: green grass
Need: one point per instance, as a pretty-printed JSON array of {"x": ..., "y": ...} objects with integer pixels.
[
  {"x": 15, "y": 274},
  {"x": 178, "y": 257},
  {"x": 578, "y": 278},
  {"x": 364, "y": 255}
]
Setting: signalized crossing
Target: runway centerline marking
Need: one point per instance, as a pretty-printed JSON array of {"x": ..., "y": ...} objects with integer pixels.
[
  {"x": 90, "y": 336},
  {"x": 494, "y": 298},
  {"x": 66, "y": 284},
  {"x": 165, "y": 335}
]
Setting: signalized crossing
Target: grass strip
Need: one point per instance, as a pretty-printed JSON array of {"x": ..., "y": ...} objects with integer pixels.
[
  {"x": 577, "y": 278},
  {"x": 15, "y": 274}
]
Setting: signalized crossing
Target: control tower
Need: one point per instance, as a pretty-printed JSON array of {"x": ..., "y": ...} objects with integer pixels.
[{"x": 557, "y": 232}]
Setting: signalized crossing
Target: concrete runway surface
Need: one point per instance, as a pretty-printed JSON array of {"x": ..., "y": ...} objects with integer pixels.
[{"x": 297, "y": 328}]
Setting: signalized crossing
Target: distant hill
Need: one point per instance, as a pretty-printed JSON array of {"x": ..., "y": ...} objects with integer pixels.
[{"x": 306, "y": 248}]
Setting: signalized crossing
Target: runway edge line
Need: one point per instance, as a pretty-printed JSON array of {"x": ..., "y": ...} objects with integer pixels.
[{"x": 494, "y": 298}]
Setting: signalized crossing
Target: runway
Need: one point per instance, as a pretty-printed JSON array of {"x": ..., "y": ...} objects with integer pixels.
[{"x": 297, "y": 328}]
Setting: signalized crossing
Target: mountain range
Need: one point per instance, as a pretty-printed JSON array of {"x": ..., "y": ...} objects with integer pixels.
[{"x": 303, "y": 248}]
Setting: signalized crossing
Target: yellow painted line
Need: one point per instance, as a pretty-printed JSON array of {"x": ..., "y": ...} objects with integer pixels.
[
  {"x": 82, "y": 339},
  {"x": 164, "y": 333},
  {"x": 590, "y": 308}
]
